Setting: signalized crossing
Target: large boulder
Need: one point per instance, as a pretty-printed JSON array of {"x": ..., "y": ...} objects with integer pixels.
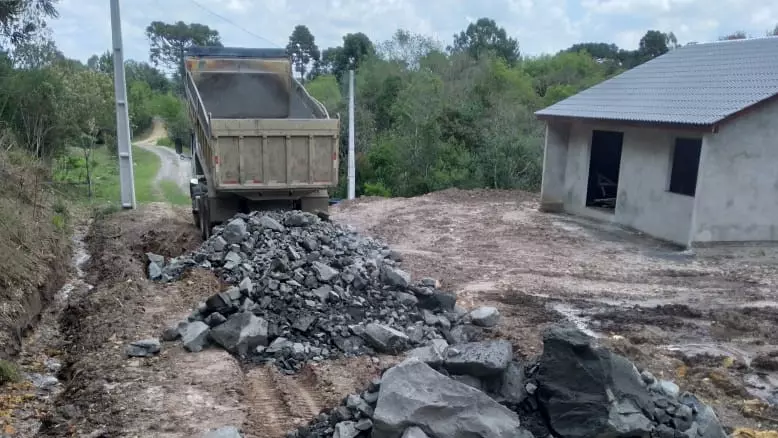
[
  {"x": 242, "y": 333},
  {"x": 588, "y": 391},
  {"x": 414, "y": 394}
]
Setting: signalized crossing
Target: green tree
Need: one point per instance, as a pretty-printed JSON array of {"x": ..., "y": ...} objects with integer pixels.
[
  {"x": 169, "y": 41},
  {"x": 654, "y": 43},
  {"x": 303, "y": 49},
  {"x": 102, "y": 63},
  {"x": 737, "y": 35},
  {"x": 484, "y": 36},
  {"x": 20, "y": 20}
]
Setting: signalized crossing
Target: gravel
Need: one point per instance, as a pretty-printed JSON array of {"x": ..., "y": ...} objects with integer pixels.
[{"x": 304, "y": 289}]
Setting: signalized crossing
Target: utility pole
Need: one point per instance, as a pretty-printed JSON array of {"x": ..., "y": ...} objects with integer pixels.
[
  {"x": 351, "y": 165},
  {"x": 126, "y": 174}
]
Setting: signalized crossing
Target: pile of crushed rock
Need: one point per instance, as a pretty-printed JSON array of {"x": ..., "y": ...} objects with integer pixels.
[
  {"x": 575, "y": 389},
  {"x": 305, "y": 289}
]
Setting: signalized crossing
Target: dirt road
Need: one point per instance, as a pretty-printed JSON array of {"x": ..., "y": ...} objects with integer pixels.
[
  {"x": 707, "y": 320},
  {"x": 172, "y": 168}
]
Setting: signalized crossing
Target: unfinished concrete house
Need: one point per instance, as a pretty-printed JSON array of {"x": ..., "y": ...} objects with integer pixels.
[{"x": 683, "y": 148}]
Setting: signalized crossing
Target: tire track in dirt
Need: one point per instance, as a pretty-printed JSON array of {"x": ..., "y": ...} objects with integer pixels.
[{"x": 278, "y": 404}]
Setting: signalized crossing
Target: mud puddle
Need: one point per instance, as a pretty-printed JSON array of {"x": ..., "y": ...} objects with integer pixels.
[{"x": 39, "y": 360}]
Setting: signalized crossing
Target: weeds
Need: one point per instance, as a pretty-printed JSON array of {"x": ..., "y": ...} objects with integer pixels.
[{"x": 9, "y": 372}]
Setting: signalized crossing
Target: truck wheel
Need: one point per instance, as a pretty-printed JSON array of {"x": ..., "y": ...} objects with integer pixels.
[
  {"x": 205, "y": 218},
  {"x": 315, "y": 205}
]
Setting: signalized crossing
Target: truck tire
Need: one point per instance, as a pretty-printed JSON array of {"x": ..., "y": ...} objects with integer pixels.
[
  {"x": 315, "y": 205},
  {"x": 205, "y": 218}
]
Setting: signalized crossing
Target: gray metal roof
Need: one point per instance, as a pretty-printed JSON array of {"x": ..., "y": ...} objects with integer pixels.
[{"x": 697, "y": 84}]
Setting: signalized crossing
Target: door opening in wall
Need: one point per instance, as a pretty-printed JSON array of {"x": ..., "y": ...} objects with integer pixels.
[{"x": 604, "y": 164}]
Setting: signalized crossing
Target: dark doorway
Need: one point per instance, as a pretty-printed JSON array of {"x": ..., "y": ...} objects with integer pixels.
[{"x": 604, "y": 163}]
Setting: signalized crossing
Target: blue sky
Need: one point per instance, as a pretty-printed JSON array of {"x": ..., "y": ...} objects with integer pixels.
[{"x": 541, "y": 26}]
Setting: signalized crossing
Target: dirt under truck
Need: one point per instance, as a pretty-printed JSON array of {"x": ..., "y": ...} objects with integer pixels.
[{"x": 259, "y": 140}]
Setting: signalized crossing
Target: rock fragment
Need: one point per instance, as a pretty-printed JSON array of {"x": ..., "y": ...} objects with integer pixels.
[
  {"x": 485, "y": 316},
  {"x": 143, "y": 348},
  {"x": 241, "y": 333}
]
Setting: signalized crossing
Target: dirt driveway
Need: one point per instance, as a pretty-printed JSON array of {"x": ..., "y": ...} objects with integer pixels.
[{"x": 708, "y": 320}]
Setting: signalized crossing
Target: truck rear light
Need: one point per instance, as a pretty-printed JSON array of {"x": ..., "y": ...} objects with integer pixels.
[
  {"x": 215, "y": 159},
  {"x": 334, "y": 156}
]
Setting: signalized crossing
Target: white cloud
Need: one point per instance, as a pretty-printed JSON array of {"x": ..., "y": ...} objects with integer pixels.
[{"x": 541, "y": 26}]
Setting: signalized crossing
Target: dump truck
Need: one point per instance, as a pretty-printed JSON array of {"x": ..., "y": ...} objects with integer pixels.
[{"x": 259, "y": 140}]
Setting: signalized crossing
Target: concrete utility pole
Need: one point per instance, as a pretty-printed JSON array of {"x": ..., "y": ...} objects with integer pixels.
[
  {"x": 126, "y": 174},
  {"x": 351, "y": 165}
]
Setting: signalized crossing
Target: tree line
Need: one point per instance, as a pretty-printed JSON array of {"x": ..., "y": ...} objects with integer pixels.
[{"x": 429, "y": 115}]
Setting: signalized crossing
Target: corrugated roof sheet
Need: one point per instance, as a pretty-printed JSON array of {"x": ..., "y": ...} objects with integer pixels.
[{"x": 698, "y": 84}]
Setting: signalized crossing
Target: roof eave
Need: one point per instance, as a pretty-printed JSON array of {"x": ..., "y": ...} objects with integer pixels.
[{"x": 699, "y": 127}]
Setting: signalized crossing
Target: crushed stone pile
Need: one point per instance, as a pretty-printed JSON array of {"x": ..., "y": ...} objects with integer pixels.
[
  {"x": 305, "y": 289},
  {"x": 575, "y": 389}
]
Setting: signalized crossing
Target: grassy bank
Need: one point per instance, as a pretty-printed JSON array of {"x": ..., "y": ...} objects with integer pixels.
[
  {"x": 173, "y": 193},
  {"x": 35, "y": 225},
  {"x": 71, "y": 171}
]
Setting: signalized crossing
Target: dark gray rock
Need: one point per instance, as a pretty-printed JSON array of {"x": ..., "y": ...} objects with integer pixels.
[
  {"x": 304, "y": 322},
  {"x": 470, "y": 381},
  {"x": 346, "y": 429},
  {"x": 270, "y": 223},
  {"x": 300, "y": 219},
  {"x": 513, "y": 385},
  {"x": 364, "y": 424},
  {"x": 143, "y": 348},
  {"x": 215, "y": 319},
  {"x": 156, "y": 258},
  {"x": 414, "y": 394},
  {"x": 479, "y": 359},
  {"x": 386, "y": 339},
  {"x": 357, "y": 403},
  {"x": 323, "y": 272},
  {"x": 587, "y": 391},
  {"x": 485, "y": 316},
  {"x": 155, "y": 271},
  {"x": 235, "y": 231},
  {"x": 194, "y": 336},
  {"x": 414, "y": 432},
  {"x": 224, "y": 432},
  {"x": 438, "y": 300},
  {"x": 432, "y": 354},
  {"x": 242, "y": 333},
  {"x": 396, "y": 277},
  {"x": 708, "y": 425},
  {"x": 218, "y": 243}
]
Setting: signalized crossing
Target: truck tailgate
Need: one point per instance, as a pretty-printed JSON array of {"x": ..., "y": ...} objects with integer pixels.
[{"x": 275, "y": 154}]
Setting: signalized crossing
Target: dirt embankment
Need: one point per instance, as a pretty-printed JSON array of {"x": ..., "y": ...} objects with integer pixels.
[
  {"x": 34, "y": 245},
  {"x": 707, "y": 320}
]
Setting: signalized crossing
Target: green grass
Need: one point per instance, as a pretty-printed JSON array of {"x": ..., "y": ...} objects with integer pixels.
[
  {"x": 9, "y": 373},
  {"x": 165, "y": 141},
  {"x": 173, "y": 193},
  {"x": 70, "y": 176}
]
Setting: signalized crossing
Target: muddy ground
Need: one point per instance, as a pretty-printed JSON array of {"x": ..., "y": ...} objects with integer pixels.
[{"x": 707, "y": 320}]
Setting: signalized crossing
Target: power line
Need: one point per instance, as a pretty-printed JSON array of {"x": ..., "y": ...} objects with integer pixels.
[{"x": 233, "y": 23}]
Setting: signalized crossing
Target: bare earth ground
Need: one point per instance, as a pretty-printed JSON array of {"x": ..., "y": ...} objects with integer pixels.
[
  {"x": 699, "y": 319},
  {"x": 176, "y": 394},
  {"x": 658, "y": 306}
]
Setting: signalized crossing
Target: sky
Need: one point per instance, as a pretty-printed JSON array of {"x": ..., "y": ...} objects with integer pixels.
[{"x": 541, "y": 26}]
